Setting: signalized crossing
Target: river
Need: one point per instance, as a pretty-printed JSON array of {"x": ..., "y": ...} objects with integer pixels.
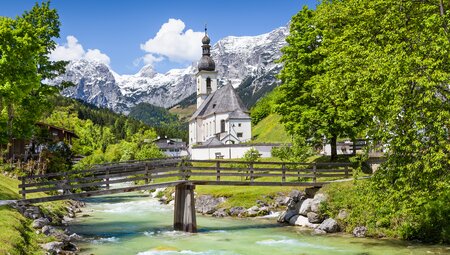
[{"x": 134, "y": 223}]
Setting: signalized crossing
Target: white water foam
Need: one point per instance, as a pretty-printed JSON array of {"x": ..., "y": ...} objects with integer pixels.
[
  {"x": 292, "y": 242},
  {"x": 106, "y": 240},
  {"x": 150, "y": 205}
]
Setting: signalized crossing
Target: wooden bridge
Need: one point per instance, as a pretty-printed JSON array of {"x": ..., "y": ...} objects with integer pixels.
[{"x": 183, "y": 174}]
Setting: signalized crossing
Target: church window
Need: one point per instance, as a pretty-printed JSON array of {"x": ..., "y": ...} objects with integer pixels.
[
  {"x": 239, "y": 135},
  {"x": 208, "y": 85},
  {"x": 222, "y": 126}
]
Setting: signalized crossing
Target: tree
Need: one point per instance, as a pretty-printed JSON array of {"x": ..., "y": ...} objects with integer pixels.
[
  {"x": 24, "y": 47},
  {"x": 315, "y": 101},
  {"x": 380, "y": 69}
]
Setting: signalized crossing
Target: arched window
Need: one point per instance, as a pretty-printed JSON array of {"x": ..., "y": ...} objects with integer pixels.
[{"x": 208, "y": 85}]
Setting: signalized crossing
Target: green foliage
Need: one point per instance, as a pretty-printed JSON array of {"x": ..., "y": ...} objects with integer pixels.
[
  {"x": 164, "y": 122},
  {"x": 24, "y": 64},
  {"x": 251, "y": 155},
  {"x": 297, "y": 152},
  {"x": 380, "y": 69},
  {"x": 264, "y": 107}
]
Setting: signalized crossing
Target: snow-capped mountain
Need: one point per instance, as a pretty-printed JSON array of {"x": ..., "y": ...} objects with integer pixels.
[{"x": 247, "y": 62}]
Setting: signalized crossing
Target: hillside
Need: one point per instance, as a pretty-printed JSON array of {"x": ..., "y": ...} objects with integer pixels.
[{"x": 270, "y": 130}]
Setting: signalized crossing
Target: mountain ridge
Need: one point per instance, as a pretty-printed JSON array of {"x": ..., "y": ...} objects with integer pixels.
[{"x": 248, "y": 62}]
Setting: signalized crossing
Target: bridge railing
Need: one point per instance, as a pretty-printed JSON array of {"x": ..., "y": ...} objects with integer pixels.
[
  {"x": 101, "y": 176},
  {"x": 137, "y": 175},
  {"x": 229, "y": 172}
]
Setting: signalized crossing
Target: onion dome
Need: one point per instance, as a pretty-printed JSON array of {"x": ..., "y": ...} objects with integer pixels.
[{"x": 206, "y": 63}]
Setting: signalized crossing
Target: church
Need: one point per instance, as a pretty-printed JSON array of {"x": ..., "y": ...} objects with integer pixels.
[{"x": 221, "y": 117}]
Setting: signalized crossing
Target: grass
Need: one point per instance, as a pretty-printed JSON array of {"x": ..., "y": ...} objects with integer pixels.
[
  {"x": 270, "y": 130},
  {"x": 183, "y": 113},
  {"x": 16, "y": 235}
]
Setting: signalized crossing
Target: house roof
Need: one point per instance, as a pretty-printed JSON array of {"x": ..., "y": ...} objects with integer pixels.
[
  {"x": 222, "y": 100},
  {"x": 165, "y": 143},
  {"x": 69, "y": 132}
]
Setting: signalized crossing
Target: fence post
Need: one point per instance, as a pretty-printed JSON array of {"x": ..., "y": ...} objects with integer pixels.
[
  {"x": 146, "y": 174},
  {"x": 183, "y": 170},
  {"x": 66, "y": 183},
  {"x": 218, "y": 171},
  {"x": 107, "y": 178},
  {"x": 346, "y": 171},
  {"x": 23, "y": 188},
  {"x": 251, "y": 172},
  {"x": 314, "y": 172},
  {"x": 283, "y": 171}
]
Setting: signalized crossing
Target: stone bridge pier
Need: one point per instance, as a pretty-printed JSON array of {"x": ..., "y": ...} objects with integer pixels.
[{"x": 184, "y": 211}]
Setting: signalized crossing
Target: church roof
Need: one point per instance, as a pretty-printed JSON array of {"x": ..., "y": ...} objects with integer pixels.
[{"x": 223, "y": 100}]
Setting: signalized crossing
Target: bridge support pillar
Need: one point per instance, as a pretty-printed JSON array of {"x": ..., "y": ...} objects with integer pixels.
[{"x": 184, "y": 212}]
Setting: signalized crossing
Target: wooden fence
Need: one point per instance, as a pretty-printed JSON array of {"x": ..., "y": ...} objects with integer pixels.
[{"x": 141, "y": 175}]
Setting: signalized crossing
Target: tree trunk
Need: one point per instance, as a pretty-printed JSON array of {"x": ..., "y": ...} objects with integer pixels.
[{"x": 333, "y": 147}]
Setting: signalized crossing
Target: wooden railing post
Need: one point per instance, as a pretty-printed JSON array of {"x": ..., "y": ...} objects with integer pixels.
[
  {"x": 346, "y": 171},
  {"x": 146, "y": 174},
  {"x": 218, "y": 171},
  {"x": 23, "y": 188},
  {"x": 107, "y": 178},
  {"x": 251, "y": 172},
  {"x": 66, "y": 183},
  {"x": 183, "y": 170},
  {"x": 283, "y": 171},
  {"x": 314, "y": 172}
]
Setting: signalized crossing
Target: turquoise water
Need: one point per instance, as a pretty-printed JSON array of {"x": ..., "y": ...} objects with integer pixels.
[{"x": 137, "y": 224}]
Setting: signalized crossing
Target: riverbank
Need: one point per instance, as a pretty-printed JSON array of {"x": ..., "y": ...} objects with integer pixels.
[{"x": 34, "y": 229}]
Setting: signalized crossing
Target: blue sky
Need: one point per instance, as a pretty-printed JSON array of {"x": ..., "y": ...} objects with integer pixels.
[{"x": 123, "y": 34}]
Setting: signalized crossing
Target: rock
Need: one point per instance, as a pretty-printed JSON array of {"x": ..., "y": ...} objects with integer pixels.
[
  {"x": 303, "y": 222},
  {"x": 297, "y": 195},
  {"x": 314, "y": 217},
  {"x": 251, "y": 213},
  {"x": 171, "y": 202},
  {"x": 48, "y": 230},
  {"x": 39, "y": 223},
  {"x": 53, "y": 247},
  {"x": 289, "y": 214},
  {"x": 75, "y": 237},
  {"x": 254, "y": 208},
  {"x": 318, "y": 199},
  {"x": 207, "y": 204},
  {"x": 293, "y": 219},
  {"x": 329, "y": 225},
  {"x": 221, "y": 212},
  {"x": 32, "y": 212},
  {"x": 71, "y": 215},
  {"x": 318, "y": 231},
  {"x": 280, "y": 201},
  {"x": 264, "y": 211},
  {"x": 360, "y": 231},
  {"x": 237, "y": 211},
  {"x": 342, "y": 214},
  {"x": 310, "y": 192},
  {"x": 305, "y": 207},
  {"x": 281, "y": 217}
]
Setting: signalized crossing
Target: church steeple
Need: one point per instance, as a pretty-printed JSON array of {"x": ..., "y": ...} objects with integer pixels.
[
  {"x": 206, "y": 76},
  {"x": 206, "y": 62}
]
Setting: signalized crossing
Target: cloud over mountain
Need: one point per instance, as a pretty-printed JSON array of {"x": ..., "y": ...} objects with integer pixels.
[
  {"x": 174, "y": 43},
  {"x": 73, "y": 50}
]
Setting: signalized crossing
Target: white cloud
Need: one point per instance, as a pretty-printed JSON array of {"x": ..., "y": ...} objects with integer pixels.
[
  {"x": 174, "y": 43},
  {"x": 73, "y": 50}
]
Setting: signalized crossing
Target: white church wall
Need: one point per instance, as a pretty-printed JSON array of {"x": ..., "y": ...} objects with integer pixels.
[
  {"x": 236, "y": 151},
  {"x": 243, "y": 127}
]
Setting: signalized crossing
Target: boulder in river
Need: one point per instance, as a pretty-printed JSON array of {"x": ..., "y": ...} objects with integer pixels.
[
  {"x": 40, "y": 223},
  {"x": 306, "y": 207},
  {"x": 360, "y": 231},
  {"x": 237, "y": 211},
  {"x": 318, "y": 199},
  {"x": 207, "y": 204},
  {"x": 314, "y": 217},
  {"x": 329, "y": 225}
]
